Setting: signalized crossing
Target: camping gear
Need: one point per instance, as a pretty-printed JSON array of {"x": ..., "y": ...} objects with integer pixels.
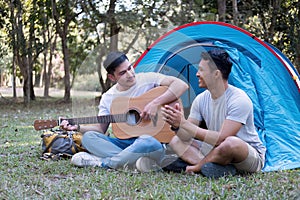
[{"x": 60, "y": 143}]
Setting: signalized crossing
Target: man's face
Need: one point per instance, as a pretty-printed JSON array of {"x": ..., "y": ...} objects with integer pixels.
[
  {"x": 204, "y": 74},
  {"x": 124, "y": 75}
]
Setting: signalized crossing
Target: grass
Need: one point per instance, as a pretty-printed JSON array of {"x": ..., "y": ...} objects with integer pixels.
[{"x": 25, "y": 176}]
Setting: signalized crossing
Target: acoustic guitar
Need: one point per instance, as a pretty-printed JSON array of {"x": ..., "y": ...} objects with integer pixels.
[{"x": 125, "y": 118}]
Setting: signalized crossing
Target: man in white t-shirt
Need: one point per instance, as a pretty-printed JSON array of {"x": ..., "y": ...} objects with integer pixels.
[
  {"x": 230, "y": 141},
  {"x": 111, "y": 152}
]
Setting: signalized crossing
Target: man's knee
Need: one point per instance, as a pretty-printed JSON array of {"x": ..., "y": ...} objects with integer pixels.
[
  {"x": 147, "y": 143},
  {"x": 178, "y": 146},
  {"x": 174, "y": 142},
  {"x": 89, "y": 136},
  {"x": 229, "y": 145}
]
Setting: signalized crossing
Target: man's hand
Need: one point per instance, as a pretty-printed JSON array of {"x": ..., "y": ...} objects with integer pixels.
[
  {"x": 193, "y": 169},
  {"x": 68, "y": 127},
  {"x": 172, "y": 116},
  {"x": 150, "y": 112}
]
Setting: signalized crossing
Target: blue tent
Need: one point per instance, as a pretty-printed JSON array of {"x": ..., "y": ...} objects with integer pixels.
[{"x": 261, "y": 70}]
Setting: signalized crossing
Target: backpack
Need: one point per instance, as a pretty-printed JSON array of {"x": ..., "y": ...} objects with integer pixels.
[{"x": 58, "y": 144}]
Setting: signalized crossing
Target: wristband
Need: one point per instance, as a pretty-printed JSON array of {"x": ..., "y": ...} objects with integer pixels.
[{"x": 174, "y": 129}]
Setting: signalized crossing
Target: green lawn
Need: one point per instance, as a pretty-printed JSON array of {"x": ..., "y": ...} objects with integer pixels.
[{"x": 25, "y": 176}]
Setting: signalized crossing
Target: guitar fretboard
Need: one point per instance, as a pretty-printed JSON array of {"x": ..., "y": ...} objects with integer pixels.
[{"x": 98, "y": 119}]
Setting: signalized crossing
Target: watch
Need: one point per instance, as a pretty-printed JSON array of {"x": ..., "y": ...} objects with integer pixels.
[{"x": 174, "y": 129}]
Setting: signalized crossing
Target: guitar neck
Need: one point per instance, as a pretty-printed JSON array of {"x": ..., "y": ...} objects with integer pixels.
[
  {"x": 97, "y": 119},
  {"x": 44, "y": 124}
]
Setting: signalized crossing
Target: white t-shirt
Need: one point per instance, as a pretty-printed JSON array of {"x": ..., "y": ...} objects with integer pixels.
[
  {"x": 234, "y": 105},
  {"x": 144, "y": 82}
]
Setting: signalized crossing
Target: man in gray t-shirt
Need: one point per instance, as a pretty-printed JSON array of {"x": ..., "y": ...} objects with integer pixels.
[{"x": 230, "y": 141}]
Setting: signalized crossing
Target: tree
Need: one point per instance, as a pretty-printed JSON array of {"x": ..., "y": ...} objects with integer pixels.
[
  {"x": 84, "y": 26},
  {"x": 110, "y": 23},
  {"x": 64, "y": 13},
  {"x": 22, "y": 53},
  {"x": 276, "y": 22},
  {"x": 26, "y": 47},
  {"x": 48, "y": 41},
  {"x": 222, "y": 10}
]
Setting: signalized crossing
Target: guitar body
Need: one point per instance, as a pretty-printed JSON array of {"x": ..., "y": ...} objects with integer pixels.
[{"x": 157, "y": 128}]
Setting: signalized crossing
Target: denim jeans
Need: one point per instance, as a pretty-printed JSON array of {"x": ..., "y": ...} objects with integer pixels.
[{"x": 119, "y": 153}]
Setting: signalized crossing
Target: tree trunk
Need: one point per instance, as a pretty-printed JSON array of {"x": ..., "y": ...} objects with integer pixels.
[
  {"x": 23, "y": 64},
  {"x": 13, "y": 43},
  {"x": 276, "y": 9},
  {"x": 22, "y": 49},
  {"x": 28, "y": 91},
  {"x": 62, "y": 30},
  {"x": 235, "y": 12},
  {"x": 222, "y": 10},
  {"x": 67, "y": 96},
  {"x": 48, "y": 71},
  {"x": 45, "y": 75},
  {"x": 31, "y": 95},
  {"x": 114, "y": 28},
  {"x": 14, "y": 72}
]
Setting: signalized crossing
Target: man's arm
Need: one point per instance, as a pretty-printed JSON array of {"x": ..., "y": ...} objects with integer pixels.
[
  {"x": 101, "y": 127},
  {"x": 176, "y": 87},
  {"x": 189, "y": 128},
  {"x": 229, "y": 128}
]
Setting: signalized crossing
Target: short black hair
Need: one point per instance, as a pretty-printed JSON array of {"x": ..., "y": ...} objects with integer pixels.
[
  {"x": 113, "y": 60},
  {"x": 221, "y": 59}
]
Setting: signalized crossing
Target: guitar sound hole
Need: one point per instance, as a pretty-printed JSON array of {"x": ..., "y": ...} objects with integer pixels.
[{"x": 133, "y": 117}]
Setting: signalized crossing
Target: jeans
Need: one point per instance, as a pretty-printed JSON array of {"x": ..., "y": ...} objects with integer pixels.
[{"x": 119, "y": 153}]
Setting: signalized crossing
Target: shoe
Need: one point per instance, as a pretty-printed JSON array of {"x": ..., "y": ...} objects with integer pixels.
[
  {"x": 146, "y": 164},
  {"x": 178, "y": 166},
  {"x": 213, "y": 170},
  {"x": 168, "y": 159},
  {"x": 84, "y": 159}
]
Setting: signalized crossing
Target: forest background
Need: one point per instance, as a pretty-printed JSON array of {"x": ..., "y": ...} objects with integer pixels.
[{"x": 50, "y": 43}]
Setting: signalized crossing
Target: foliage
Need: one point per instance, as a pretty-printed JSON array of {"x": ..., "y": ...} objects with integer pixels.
[
  {"x": 87, "y": 82},
  {"x": 277, "y": 23},
  {"x": 129, "y": 26},
  {"x": 25, "y": 176},
  {"x": 5, "y": 54}
]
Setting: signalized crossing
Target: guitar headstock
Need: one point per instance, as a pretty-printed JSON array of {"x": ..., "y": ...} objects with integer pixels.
[{"x": 44, "y": 124}]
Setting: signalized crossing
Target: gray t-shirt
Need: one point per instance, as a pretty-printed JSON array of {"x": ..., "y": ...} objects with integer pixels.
[{"x": 234, "y": 105}]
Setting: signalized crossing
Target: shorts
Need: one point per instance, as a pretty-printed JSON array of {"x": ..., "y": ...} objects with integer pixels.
[{"x": 253, "y": 163}]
